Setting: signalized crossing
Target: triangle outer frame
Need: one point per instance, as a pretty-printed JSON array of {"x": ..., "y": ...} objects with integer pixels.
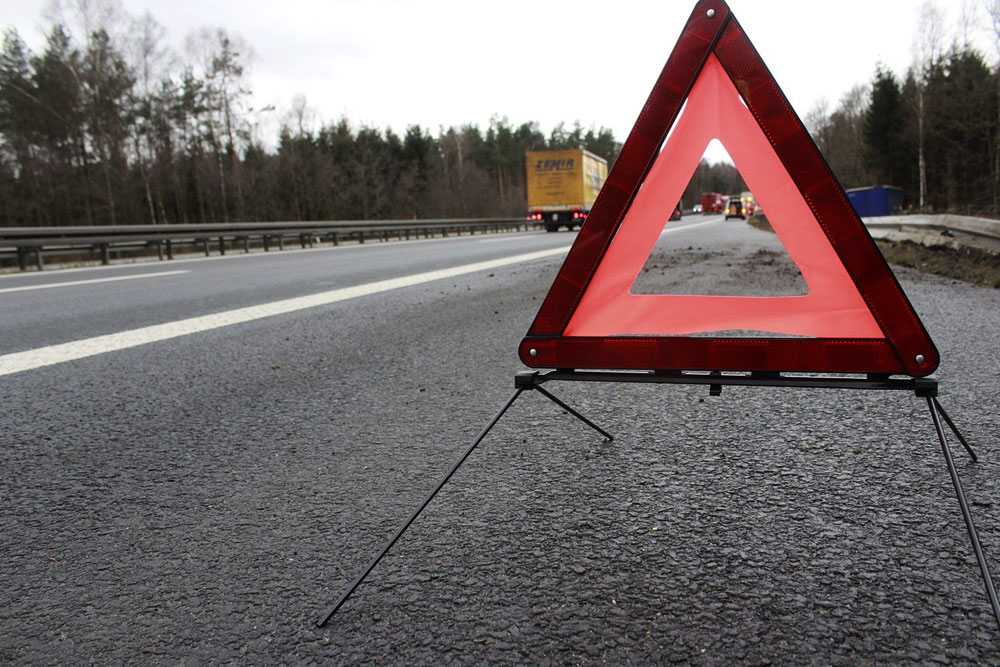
[{"x": 905, "y": 340}]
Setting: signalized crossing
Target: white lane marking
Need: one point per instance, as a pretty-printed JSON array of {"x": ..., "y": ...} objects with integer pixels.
[
  {"x": 521, "y": 236},
  {"x": 56, "y": 354},
  {"x": 684, "y": 228},
  {"x": 91, "y": 281}
]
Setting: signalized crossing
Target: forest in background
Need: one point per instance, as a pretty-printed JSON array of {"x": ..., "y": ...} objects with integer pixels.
[
  {"x": 933, "y": 130},
  {"x": 121, "y": 131},
  {"x": 107, "y": 126}
]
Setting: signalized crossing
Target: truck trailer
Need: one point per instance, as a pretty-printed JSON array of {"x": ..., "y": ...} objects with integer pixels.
[
  {"x": 712, "y": 202},
  {"x": 562, "y": 186},
  {"x": 876, "y": 200}
]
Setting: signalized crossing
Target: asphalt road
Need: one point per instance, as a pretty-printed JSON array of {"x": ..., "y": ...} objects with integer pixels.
[
  {"x": 59, "y": 306},
  {"x": 205, "y": 497}
]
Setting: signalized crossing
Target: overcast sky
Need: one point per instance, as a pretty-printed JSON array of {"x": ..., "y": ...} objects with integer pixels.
[{"x": 438, "y": 63}]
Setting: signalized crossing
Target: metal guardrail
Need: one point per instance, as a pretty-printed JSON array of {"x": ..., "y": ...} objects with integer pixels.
[
  {"x": 166, "y": 240},
  {"x": 954, "y": 231}
]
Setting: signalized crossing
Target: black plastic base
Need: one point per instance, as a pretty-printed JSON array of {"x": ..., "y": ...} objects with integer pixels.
[{"x": 922, "y": 387}]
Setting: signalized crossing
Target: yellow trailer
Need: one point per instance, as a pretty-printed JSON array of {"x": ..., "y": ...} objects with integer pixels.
[{"x": 562, "y": 185}]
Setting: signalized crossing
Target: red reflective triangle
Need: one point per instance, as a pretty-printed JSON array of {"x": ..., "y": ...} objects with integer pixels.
[{"x": 855, "y": 318}]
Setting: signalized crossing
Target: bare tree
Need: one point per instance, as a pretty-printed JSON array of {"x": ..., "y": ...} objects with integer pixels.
[
  {"x": 993, "y": 10},
  {"x": 842, "y": 139},
  {"x": 222, "y": 60},
  {"x": 927, "y": 48},
  {"x": 301, "y": 116},
  {"x": 968, "y": 22},
  {"x": 149, "y": 60},
  {"x": 83, "y": 18}
]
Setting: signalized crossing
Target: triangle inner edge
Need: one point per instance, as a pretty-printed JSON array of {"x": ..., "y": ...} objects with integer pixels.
[
  {"x": 833, "y": 306},
  {"x": 727, "y": 251}
]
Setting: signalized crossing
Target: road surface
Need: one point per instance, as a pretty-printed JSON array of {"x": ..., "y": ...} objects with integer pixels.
[{"x": 202, "y": 496}]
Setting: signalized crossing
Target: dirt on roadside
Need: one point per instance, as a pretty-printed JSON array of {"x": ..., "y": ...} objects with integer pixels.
[{"x": 967, "y": 264}]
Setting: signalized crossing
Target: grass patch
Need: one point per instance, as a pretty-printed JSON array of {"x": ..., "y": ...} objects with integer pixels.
[{"x": 970, "y": 265}]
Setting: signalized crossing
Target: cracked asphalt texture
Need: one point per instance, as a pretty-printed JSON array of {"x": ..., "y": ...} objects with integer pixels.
[{"x": 204, "y": 501}]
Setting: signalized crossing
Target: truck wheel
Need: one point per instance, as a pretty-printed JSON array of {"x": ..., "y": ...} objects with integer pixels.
[{"x": 552, "y": 228}]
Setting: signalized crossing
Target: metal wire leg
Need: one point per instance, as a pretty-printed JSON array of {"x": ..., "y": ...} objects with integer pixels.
[
  {"x": 984, "y": 568},
  {"x": 575, "y": 413},
  {"x": 430, "y": 496},
  {"x": 954, "y": 430}
]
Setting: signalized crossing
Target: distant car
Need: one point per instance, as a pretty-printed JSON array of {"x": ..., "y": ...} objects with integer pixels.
[
  {"x": 734, "y": 209},
  {"x": 696, "y": 208},
  {"x": 676, "y": 215}
]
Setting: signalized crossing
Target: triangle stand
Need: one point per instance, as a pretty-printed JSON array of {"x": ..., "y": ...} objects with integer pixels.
[
  {"x": 923, "y": 387},
  {"x": 524, "y": 381}
]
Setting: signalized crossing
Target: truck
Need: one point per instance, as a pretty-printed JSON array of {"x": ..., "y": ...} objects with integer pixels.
[
  {"x": 712, "y": 202},
  {"x": 562, "y": 186},
  {"x": 876, "y": 200}
]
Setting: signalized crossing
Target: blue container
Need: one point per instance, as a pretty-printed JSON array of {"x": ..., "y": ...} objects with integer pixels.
[{"x": 877, "y": 200}]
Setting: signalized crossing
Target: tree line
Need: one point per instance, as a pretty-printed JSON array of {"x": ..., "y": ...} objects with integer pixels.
[
  {"x": 117, "y": 130},
  {"x": 934, "y": 131},
  {"x": 114, "y": 128}
]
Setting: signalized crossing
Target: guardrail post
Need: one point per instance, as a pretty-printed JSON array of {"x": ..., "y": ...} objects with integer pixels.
[
  {"x": 22, "y": 258},
  {"x": 302, "y": 241},
  {"x": 335, "y": 238},
  {"x": 205, "y": 241},
  {"x": 246, "y": 245},
  {"x": 38, "y": 257},
  {"x": 222, "y": 246},
  {"x": 281, "y": 242},
  {"x": 264, "y": 239},
  {"x": 105, "y": 255},
  {"x": 159, "y": 250},
  {"x": 170, "y": 249}
]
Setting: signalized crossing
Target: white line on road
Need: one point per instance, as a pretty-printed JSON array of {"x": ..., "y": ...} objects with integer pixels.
[
  {"x": 56, "y": 354},
  {"x": 684, "y": 228},
  {"x": 91, "y": 281},
  {"x": 523, "y": 236}
]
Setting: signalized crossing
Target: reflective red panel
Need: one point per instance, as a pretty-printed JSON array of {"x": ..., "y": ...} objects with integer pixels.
[
  {"x": 854, "y": 318},
  {"x": 832, "y": 308}
]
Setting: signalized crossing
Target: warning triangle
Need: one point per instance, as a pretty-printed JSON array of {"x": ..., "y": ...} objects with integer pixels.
[{"x": 854, "y": 318}]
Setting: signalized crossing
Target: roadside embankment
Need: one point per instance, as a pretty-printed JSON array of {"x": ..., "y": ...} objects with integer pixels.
[{"x": 955, "y": 246}]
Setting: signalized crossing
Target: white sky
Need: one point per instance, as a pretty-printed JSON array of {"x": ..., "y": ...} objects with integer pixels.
[{"x": 438, "y": 63}]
